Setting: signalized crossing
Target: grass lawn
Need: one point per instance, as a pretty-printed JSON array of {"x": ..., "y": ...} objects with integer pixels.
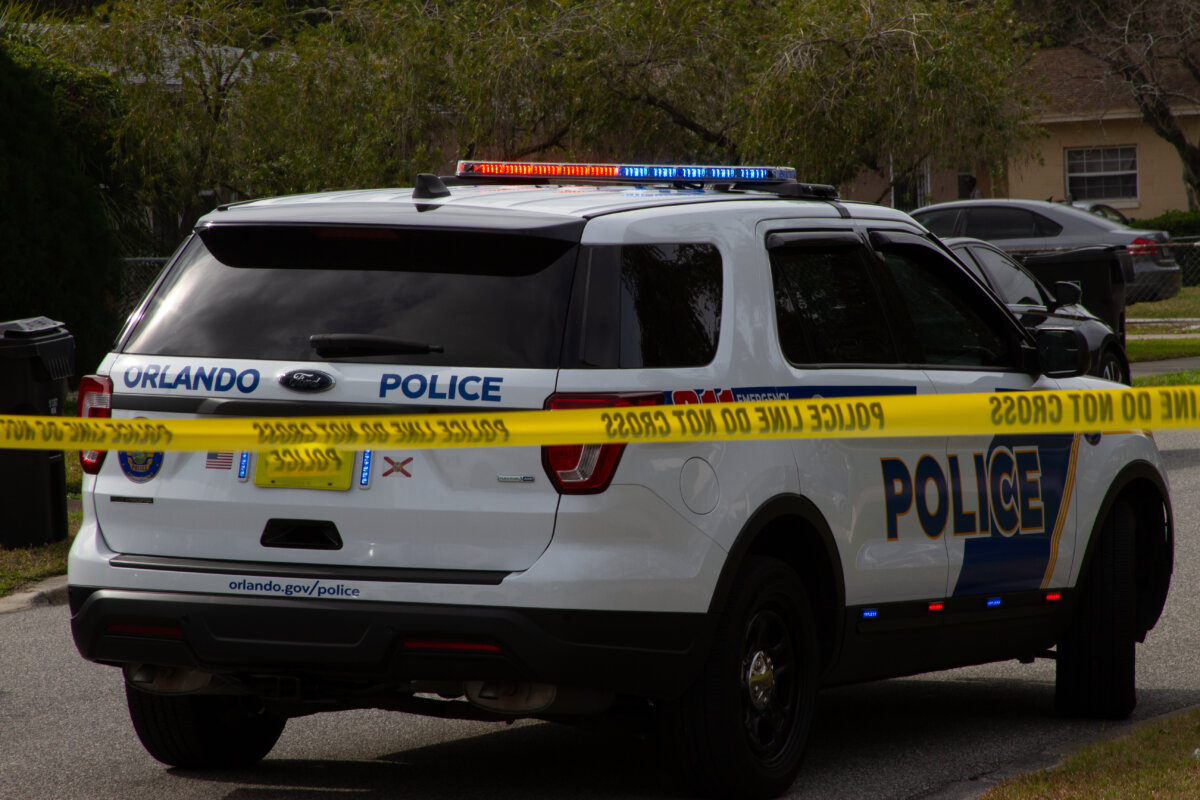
[
  {"x": 1158, "y": 349},
  {"x": 1186, "y": 304},
  {"x": 1160, "y": 759}
]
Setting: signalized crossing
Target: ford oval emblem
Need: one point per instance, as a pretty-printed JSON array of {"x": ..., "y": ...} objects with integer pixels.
[{"x": 306, "y": 380}]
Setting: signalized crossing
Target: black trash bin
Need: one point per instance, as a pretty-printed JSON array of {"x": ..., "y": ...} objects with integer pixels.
[
  {"x": 1101, "y": 273},
  {"x": 37, "y": 356}
]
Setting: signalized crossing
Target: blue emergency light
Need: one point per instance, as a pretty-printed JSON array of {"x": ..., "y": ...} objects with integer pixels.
[
  {"x": 364, "y": 471},
  {"x": 625, "y": 173}
]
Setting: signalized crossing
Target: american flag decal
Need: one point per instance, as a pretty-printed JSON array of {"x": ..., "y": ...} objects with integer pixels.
[{"x": 218, "y": 461}]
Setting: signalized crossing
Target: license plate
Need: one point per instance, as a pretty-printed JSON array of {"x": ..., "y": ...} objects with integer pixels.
[{"x": 304, "y": 468}]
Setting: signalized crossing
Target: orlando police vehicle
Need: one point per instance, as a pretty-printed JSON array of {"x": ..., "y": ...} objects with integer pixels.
[{"x": 715, "y": 585}]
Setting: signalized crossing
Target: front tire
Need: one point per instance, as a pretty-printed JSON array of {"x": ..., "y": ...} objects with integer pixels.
[
  {"x": 203, "y": 731},
  {"x": 1096, "y": 671},
  {"x": 741, "y": 729},
  {"x": 1111, "y": 368}
]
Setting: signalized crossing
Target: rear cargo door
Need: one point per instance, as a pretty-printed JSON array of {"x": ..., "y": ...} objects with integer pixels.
[{"x": 388, "y": 322}]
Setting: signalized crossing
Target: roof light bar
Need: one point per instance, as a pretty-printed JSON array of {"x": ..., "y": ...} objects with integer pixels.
[{"x": 626, "y": 173}]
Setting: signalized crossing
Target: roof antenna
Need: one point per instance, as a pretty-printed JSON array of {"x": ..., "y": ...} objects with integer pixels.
[{"x": 428, "y": 187}]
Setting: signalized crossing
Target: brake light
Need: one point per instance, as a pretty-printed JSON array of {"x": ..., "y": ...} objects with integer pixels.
[
  {"x": 95, "y": 401},
  {"x": 588, "y": 468},
  {"x": 1142, "y": 247}
]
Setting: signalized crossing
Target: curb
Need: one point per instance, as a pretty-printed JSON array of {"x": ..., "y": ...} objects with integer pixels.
[{"x": 50, "y": 592}]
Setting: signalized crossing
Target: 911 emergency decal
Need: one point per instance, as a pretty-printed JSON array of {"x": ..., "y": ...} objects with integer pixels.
[{"x": 1010, "y": 504}]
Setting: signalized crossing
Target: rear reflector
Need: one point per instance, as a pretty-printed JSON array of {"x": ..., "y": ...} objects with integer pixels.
[
  {"x": 160, "y": 631},
  {"x": 454, "y": 647}
]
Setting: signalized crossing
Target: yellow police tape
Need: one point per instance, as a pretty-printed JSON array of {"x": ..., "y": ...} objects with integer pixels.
[{"x": 880, "y": 416}]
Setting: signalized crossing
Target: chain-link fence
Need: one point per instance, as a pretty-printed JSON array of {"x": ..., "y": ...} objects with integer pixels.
[
  {"x": 137, "y": 275},
  {"x": 1186, "y": 250}
]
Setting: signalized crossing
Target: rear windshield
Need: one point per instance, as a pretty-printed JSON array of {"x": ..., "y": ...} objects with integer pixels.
[{"x": 484, "y": 299}]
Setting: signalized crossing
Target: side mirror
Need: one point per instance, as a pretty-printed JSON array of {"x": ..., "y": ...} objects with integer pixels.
[
  {"x": 1067, "y": 293},
  {"x": 1062, "y": 353}
]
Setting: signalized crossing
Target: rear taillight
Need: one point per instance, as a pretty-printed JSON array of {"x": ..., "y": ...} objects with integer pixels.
[
  {"x": 588, "y": 468},
  {"x": 1142, "y": 247},
  {"x": 95, "y": 400}
]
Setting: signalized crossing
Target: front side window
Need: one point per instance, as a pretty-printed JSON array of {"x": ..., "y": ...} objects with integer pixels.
[
  {"x": 940, "y": 222},
  {"x": 826, "y": 308},
  {"x": 947, "y": 329},
  {"x": 1102, "y": 173},
  {"x": 1010, "y": 281}
]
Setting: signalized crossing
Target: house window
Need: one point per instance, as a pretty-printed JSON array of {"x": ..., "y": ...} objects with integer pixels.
[{"x": 1102, "y": 173}]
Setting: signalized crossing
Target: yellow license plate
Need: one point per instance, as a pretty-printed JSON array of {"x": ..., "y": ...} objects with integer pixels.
[{"x": 304, "y": 468}]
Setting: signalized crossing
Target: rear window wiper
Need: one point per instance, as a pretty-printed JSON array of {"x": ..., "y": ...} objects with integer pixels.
[{"x": 347, "y": 345}]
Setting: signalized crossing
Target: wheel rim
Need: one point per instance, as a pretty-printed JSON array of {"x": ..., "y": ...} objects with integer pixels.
[
  {"x": 769, "y": 682},
  {"x": 1112, "y": 370}
]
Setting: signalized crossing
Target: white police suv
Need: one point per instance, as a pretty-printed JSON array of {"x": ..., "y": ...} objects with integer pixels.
[{"x": 715, "y": 585}]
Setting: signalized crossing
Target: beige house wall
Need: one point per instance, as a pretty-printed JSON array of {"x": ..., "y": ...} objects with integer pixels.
[
  {"x": 943, "y": 186},
  {"x": 1041, "y": 175}
]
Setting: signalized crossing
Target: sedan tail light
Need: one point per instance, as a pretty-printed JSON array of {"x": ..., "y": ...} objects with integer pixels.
[
  {"x": 1142, "y": 247},
  {"x": 95, "y": 400},
  {"x": 588, "y": 468}
]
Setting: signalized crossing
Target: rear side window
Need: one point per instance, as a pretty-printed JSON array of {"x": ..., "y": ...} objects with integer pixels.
[
  {"x": 646, "y": 305},
  {"x": 1008, "y": 223},
  {"x": 826, "y": 308},
  {"x": 486, "y": 299}
]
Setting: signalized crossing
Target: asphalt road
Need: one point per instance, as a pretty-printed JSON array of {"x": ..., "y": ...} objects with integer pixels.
[{"x": 64, "y": 732}]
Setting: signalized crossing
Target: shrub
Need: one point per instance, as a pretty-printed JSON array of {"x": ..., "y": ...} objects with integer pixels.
[
  {"x": 1176, "y": 223},
  {"x": 58, "y": 257}
]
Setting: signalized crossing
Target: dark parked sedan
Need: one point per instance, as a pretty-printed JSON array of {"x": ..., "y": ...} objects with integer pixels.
[
  {"x": 1024, "y": 226},
  {"x": 1036, "y": 307}
]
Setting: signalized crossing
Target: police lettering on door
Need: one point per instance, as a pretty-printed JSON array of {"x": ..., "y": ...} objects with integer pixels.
[
  {"x": 1002, "y": 491},
  {"x": 1011, "y": 502}
]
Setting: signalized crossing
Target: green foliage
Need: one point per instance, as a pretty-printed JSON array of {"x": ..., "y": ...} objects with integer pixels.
[
  {"x": 225, "y": 100},
  {"x": 57, "y": 256},
  {"x": 1176, "y": 223}
]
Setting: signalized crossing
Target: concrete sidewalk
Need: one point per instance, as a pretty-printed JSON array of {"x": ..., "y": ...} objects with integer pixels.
[
  {"x": 1143, "y": 369},
  {"x": 50, "y": 592}
]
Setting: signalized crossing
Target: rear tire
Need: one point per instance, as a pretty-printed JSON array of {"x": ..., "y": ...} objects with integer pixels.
[
  {"x": 1096, "y": 672},
  {"x": 741, "y": 729},
  {"x": 203, "y": 731}
]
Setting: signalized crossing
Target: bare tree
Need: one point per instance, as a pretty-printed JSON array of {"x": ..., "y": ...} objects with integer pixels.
[{"x": 1153, "y": 47}]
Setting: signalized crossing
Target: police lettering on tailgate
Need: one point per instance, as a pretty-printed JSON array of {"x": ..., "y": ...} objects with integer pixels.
[
  {"x": 472, "y": 388},
  {"x": 209, "y": 379}
]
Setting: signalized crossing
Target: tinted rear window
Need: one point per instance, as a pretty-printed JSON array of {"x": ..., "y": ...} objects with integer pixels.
[{"x": 487, "y": 299}]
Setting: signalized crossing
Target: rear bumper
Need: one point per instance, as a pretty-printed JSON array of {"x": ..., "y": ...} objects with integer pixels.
[
  {"x": 1152, "y": 282},
  {"x": 644, "y": 654}
]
